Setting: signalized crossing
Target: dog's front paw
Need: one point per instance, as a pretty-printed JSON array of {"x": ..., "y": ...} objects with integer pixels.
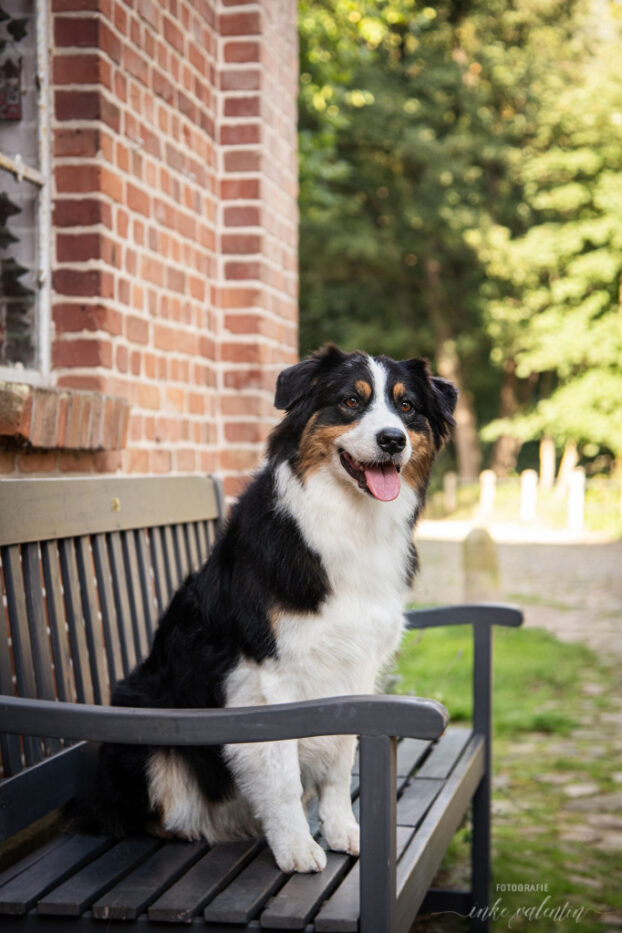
[
  {"x": 343, "y": 837},
  {"x": 303, "y": 855}
]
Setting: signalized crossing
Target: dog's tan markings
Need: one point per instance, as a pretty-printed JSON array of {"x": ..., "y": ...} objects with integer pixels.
[
  {"x": 399, "y": 390},
  {"x": 416, "y": 471},
  {"x": 317, "y": 444},
  {"x": 363, "y": 388},
  {"x": 275, "y": 617}
]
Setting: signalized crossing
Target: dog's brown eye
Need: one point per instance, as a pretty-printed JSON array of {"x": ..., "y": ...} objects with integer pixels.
[
  {"x": 406, "y": 406},
  {"x": 352, "y": 401}
]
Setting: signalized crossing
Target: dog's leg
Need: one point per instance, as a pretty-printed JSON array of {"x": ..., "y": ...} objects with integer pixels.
[
  {"x": 339, "y": 826},
  {"x": 268, "y": 774}
]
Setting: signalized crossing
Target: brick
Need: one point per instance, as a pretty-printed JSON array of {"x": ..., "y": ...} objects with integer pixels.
[
  {"x": 242, "y": 107},
  {"x": 240, "y": 24},
  {"x": 238, "y": 79},
  {"x": 82, "y": 352},
  {"x": 138, "y": 200},
  {"x": 240, "y": 134},
  {"x": 242, "y": 161},
  {"x": 37, "y": 462},
  {"x": 242, "y": 270},
  {"x": 16, "y": 402},
  {"x": 237, "y": 52},
  {"x": 80, "y": 69},
  {"x": 240, "y": 243},
  {"x": 44, "y": 429},
  {"x": 83, "y": 212},
  {"x": 76, "y": 142},
  {"x": 75, "y": 462},
  {"x": 240, "y": 189},
  {"x": 137, "y": 329},
  {"x": 76, "y": 31},
  {"x": 77, "y": 179},
  {"x": 83, "y": 283},
  {"x": 78, "y": 247},
  {"x": 7, "y": 461},
  {"x": 242, "y": 217}
]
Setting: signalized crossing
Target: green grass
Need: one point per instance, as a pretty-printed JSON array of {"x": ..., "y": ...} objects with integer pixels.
[
  {"x": 533, "y": 672},
  {"x": 545, "y": 726}
]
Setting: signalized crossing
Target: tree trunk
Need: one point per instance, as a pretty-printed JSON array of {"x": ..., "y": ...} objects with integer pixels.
[
  {"x": 507, "y": 448},
  {"x": 466, "y": 438}
]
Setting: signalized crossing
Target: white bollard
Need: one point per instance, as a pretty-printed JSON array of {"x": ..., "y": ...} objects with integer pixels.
[
  {"x": 487, "y": 489},
  {"x": 576, "y": 499},
  {"x": 528, "y": 495}
]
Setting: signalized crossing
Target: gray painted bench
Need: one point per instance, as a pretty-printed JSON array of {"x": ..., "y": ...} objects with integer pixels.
[{"x": 87, "y": 567}]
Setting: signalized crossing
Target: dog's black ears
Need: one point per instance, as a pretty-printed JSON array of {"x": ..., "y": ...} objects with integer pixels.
[
  {"x": 296, "y": 381},
  {"x": 440, "y": 397}
]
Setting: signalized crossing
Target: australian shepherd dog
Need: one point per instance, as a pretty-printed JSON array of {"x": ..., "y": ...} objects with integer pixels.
[{"x": 302, "y": 597}]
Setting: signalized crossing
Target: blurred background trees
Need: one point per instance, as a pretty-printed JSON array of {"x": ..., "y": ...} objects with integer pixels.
[{"x": 461, "y": 198}]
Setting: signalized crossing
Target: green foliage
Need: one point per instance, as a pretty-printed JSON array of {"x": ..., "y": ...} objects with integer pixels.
[{"x": 461, "y": 186}]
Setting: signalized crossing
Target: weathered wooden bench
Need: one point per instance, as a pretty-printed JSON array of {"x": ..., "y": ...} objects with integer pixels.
[{"x": 87, "y": 567}]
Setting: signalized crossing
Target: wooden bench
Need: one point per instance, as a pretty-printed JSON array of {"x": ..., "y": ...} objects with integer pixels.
[{"x": 87, "y": 567}]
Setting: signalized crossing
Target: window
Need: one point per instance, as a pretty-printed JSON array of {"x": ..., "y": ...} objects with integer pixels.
[{"x": 24, "y": 191}]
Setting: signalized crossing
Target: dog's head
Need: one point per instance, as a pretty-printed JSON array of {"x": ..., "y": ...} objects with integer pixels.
[{"x": 372, "y": 420}]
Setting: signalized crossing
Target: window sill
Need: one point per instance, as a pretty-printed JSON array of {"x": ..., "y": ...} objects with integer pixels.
[{"x": 61, "y": 419}]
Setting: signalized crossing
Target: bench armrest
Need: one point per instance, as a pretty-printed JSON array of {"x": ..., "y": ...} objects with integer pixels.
[
  {"x": 465, "y": 614},
  {"x": 371, "y": 715}
]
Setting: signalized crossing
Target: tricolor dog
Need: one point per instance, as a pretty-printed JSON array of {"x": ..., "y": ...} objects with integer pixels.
[{"x": 301, "y": 598}]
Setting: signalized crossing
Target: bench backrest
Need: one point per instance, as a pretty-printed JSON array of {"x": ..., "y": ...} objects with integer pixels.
[{"x": 87, "y": 566}]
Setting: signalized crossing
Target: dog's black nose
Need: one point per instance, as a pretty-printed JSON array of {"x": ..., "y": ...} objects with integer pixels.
[{"x": 391, "y": 440}]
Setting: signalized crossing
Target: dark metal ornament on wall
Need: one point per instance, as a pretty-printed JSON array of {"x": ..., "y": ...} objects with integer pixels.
[{"x": 11, "y": 90}]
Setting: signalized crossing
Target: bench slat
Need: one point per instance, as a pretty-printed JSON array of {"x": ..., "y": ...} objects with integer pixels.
[
  {"x": 38, "y": 630},
  {"x": 9, "y": 744},
  {"x": 73, "y": 896},
  {"x": 107, "y": 606},
  {"x": 22, "y": 893},
  {"x": 301, "y": 896},
  {"x": 243, "y": 899},
  {"x": 417, "y": 800},
  {"x": 204, "y": 880},
  {"x": 121, "y": 600},
  {"x": 171, "y": 559},
  {"x": 137, "y": 610},
  {"x": 75, "y": 621},
  {"x": 147, "y": 587},
  {"x": 162, "y": 585},
  {"x": 90, "y": 605},
  {"x": 340, "y": 913},
  {"x": 444, "y": 754},
  {"x": 133, "y": 893},
  {"x": 190, "y": 535},
  {"x": 20, "y": 636},
  {"x": 58, "y": 625},
  {"x": 181, "y": 551}
]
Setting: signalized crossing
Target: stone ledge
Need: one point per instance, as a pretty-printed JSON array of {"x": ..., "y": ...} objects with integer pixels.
[{"x": 61, "y": 419}]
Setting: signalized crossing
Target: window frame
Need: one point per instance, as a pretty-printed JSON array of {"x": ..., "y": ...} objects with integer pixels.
[{"x": 40, "y": 373}]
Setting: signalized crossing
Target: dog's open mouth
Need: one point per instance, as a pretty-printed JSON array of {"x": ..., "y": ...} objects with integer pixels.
[{"x": 381, "y": 480}]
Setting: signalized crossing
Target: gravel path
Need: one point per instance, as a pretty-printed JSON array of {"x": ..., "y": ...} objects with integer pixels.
[{"x": 573, "y": 590}]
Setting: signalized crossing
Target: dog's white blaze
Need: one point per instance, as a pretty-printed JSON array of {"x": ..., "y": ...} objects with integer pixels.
[{"x": 360, "y": 441}]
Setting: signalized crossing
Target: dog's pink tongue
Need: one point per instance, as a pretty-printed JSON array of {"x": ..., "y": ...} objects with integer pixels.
[{"x": 383, "y": 481}]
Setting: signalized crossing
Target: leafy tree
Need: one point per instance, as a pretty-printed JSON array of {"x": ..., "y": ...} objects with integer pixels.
[{"x": 554, "y": 292}]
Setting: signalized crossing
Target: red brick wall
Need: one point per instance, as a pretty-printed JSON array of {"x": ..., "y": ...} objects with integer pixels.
[{"x": 174, "y": 226}]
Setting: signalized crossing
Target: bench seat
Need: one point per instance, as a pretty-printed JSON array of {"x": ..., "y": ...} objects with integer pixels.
[{"x": 238, "y": 885}]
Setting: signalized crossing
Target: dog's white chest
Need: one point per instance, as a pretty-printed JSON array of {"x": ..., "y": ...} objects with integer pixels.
[{"x": 364, "y": 547}]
